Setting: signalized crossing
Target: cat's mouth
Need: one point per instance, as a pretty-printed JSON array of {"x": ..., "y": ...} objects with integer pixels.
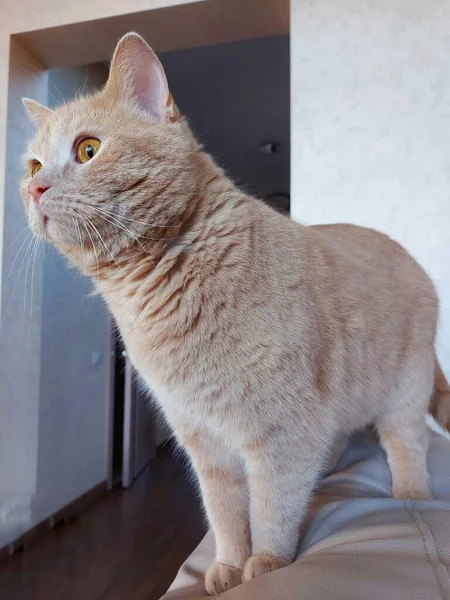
[
  {"x": 40, "y": 228},
  {"x": 48, "y": 226}
]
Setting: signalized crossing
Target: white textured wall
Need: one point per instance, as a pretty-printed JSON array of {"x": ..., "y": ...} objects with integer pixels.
[{"x": 371, "y": 124}]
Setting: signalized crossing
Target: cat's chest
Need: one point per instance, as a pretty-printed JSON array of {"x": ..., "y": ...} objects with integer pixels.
[
  {"x": 174, "y": 343},
  {"x": 179, "y": 365},
  {"x": 191, "y": 407},
  {"x": 195, "y": 365},
  {"x": 162, "y": 356},
  {"x": 191, "y": 386}
]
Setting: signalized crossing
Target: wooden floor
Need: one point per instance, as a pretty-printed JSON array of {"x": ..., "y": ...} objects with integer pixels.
[{"x": 128, "y": 546}]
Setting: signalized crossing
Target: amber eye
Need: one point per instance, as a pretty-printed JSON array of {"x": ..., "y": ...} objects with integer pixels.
[
  {"x": 87, "y": 149},
  {"x": 35, "y": 168}
]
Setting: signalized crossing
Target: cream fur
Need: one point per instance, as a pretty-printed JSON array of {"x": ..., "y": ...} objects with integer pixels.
[{"x": 264, "y": 341}]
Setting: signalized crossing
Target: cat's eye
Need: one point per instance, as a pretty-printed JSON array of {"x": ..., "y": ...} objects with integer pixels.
[
  {"x": 35, "y": 168},
  {"x": 87, "y": 149}
]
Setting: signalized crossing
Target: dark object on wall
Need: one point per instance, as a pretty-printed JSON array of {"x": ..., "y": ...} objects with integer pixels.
[{"x": 269, "y": 147}]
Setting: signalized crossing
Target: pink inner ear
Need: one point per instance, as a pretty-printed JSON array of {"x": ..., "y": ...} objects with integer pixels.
[
  {"x": 146, "y": 76},
  {"x": 149, "y": 87},
  {"x": 137, "y": 73}
]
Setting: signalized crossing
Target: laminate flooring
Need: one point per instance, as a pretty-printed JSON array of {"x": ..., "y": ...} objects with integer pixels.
[{"x": 127, "y": 546}]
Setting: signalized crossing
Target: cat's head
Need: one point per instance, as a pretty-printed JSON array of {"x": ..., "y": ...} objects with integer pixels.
[{"x": 113, "y": 169}]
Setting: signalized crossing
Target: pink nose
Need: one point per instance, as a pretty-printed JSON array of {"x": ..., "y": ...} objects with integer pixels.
[{"x": 36, "y": 189}]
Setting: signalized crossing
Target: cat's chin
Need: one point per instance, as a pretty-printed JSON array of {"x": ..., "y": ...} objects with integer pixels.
[
  {"x": 39, "y": 227},
  {"x": 49, "y": 229},
  {"x": 52, "y": 230},
  {"x": 45, "y": 229}
]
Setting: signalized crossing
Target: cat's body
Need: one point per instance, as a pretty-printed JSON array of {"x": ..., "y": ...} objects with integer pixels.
[
  {"x": 264, "y": 341},
  {"x": 244, "y": 315}
]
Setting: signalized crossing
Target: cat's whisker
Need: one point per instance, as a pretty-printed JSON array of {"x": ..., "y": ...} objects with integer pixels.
[
  {"x": 50, "y": 81},
  {"x": 24, "y": 128},
  {"x": 114, "y": 222},
  {"x": 26, "y": 228},
  {"x": 94, "y": 249},
  {"x": 137, "y": 222},
  {"x": 80, "y": 237},
  {"x": 103, "y": 241},
  {"x": 58, "y": 101},
  {"x": 74, "y": 205},
  {"x": 122, "y": 227},
  {"x": 125, "y": 229},
  {"x": 15, "y": 259},
  {"x": 119, "y": 224},
  {"x": 36, "y": 252},
  {"x": 80, "y": 91},
  {"x": 30, "y": 241},
  {"x": 28, "y": 260}
]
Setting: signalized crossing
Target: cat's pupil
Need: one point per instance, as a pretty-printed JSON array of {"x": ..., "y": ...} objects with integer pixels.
[{"x": 89, "y": 151}]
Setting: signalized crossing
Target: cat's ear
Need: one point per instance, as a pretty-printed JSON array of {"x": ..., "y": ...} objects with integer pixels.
[
  {"x": 38, "y": 113},
  {"x": 137, "y": 74}
]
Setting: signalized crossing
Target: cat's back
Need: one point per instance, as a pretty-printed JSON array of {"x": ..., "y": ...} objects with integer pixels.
[
  {"x": 358, "y": 243},
  {"x": 368, "y": 259},
  {"x": 347, "y": 264}
]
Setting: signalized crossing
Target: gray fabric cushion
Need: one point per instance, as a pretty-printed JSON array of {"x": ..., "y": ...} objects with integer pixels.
[{"x": 357, "y": 542}]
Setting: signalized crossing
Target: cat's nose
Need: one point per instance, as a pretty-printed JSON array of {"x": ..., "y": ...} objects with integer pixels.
[{"x": 36, "y": 189}]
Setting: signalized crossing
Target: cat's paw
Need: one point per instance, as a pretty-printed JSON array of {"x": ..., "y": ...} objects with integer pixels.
[
  {"x": 260, "y": 564},
  {"x": 410, "y": 493},
  {"x": 220, "y": 578}
]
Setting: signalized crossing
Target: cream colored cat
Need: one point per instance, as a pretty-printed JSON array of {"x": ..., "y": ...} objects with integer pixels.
[{"x": 263, "y": 340}]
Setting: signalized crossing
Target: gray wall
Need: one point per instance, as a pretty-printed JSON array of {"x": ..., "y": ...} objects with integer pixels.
[
  {"x": 237, "y": 96},
  {"x": 53, "y": 403},
  {"x": 75, "y": 333},
  {"x": 20, "y": 321}
]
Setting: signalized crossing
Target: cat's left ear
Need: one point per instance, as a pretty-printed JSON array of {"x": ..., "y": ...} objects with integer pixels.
[
  {"x": 137, "y": 74},
  {"x": 38, "y": 113}
]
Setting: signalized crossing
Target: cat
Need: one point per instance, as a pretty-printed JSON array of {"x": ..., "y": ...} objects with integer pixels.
[{"x": 263, "y": 340}]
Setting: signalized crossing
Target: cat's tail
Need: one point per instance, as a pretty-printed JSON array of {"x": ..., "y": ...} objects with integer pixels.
[{"x": 440, "y": 401}]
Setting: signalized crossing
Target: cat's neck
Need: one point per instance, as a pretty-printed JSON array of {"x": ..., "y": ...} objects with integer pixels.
[{"x": 211, "y": 211}]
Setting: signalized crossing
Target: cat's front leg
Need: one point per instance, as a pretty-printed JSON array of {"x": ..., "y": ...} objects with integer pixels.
[
  {"x": 225, "y": 495},
  {"x": 282, "y": 473}
]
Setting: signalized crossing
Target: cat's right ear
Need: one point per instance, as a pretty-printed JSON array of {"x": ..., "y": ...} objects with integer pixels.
[
  {"x": 136, "y": 74},
  {"x": 38, "y": 113}
]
